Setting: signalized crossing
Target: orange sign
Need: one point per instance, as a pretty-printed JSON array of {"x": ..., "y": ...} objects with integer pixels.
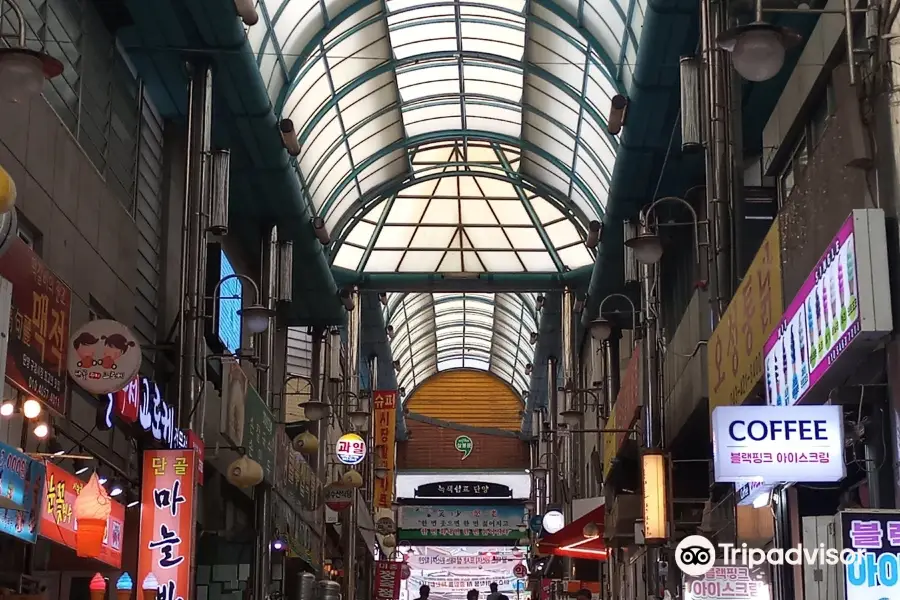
[
  {"x": 167, "y": 521},
  {"x": 385, "y": 406},
  {"x": 61, "y": 488}
]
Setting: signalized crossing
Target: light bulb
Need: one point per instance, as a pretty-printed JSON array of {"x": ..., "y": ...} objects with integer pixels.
[
  {"x": 41, "y": 430},
  {"x": 7, "y": 408},
  {"x": 31, "y": 409},
  {"x": 758, "y": 54},
  {"x": 115, "y": 490}
]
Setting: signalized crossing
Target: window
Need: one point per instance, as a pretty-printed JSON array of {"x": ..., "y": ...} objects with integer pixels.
[
  {"x": 27, "y": 235},
  {"x": 809, "y": 138},
  {"x": 97, "y": 97}
]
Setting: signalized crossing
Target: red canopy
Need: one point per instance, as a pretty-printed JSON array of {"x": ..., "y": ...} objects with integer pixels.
[{"x": 570, "y": 541}]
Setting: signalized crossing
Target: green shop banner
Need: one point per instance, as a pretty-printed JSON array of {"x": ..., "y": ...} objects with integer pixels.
[
  {"x": 460, "y": 522},
  {"x": 259, "y": 433}
]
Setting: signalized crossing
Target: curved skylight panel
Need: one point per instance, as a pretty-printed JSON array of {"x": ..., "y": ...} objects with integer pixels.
[
  {"x": 441, "y": 331},
  {"x": 458, "y": 220}
]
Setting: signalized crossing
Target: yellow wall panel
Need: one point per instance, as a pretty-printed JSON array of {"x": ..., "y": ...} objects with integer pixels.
[{"x": 468, "y": 397}]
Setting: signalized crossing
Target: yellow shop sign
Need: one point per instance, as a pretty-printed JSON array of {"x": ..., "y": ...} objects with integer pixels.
[{"x": 735, "y": 347}]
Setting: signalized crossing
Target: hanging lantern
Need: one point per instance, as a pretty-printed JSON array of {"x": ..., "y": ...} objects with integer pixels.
[
  {"x": 389, "y": 541},
  {"x": 92, "y": 508},
  {"x": 352, "y": 479},
  {"x": 244, "y": 473},
  {"x": 306, "y": 443}
]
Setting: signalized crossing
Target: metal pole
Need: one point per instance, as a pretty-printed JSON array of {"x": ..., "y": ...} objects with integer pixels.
[
  {"x": 353, "y": 334},
  {"x": 370, "y": 437},
  {"x": 652, "y": 413},
  {"x": 316, "y": 393},
  {"x": 553, "y": 433},
  {"x": 538, "y": 449},
  {"x": 611, "y": 368}
]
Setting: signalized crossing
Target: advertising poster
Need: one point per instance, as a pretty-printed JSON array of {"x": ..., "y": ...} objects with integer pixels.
[
  {"x": 460, "y": 522},
  {"x": 22, "y": 484}
]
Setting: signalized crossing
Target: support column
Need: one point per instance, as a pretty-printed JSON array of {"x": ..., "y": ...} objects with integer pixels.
[
  {"x": 351, "y": 533},
  {"x": 652, "y": 414},
  {"x": 193, "y": 265},
  {"x": 552, "y": 450},
  {"x": 316, "y": 391}
]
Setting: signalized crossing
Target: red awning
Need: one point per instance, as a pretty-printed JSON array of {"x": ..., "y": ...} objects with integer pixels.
[{"x": 570, "y": 541}]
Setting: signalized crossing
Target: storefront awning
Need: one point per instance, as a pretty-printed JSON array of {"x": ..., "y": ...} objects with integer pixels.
[{"x": 570, "y": 540}]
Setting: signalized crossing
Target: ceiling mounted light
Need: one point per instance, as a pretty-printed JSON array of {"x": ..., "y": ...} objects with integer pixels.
[
  {"x": 7, "y": 408},
  {"x": 601, "y": 329},
  {"x": 758, "y": 48},
  {"x": 647, "y": 247},
  {"x": 116, "y": 488},
  {"x": 31, "y": 409},
  {"x": 41, "y": 430},
  {"x": 256, "y": 317}
]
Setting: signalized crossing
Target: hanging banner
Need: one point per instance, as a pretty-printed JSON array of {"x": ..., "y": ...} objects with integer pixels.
[
  {"x": 385, "y": 405},
  {"x": 58, "y": 519},
  {"x": 39, "y": 326},
  {"x": 460, "y": 522},
  {"x": 167, "y": 521},
  {"x": 387, "y": 580}
]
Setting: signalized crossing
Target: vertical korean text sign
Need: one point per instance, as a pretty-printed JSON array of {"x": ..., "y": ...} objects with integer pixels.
[
  {"x": 385, "y": 405},
  {"x": 875, "y": 535},
  {"x": 58, "y": 518},
  {"x": 387, "y": 580},
  {"x": 39, "y": 326},
  {"x": 167, "y": 521}
]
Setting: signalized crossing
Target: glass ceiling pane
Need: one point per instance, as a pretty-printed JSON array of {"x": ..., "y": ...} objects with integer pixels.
[
  {"x": 441, "y": 331},
  {"x": 456, "y": 221},
  {"x": 365, "y": 81}
]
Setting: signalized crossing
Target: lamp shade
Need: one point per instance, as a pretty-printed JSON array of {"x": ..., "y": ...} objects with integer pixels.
[
  {"x": 352, "y": 479},
  {"x": 244, "y": 473},
  {"x": 655, "y": 496},
  {"x": 306, "y": 443},
  {"x": 92, "y": 509}
]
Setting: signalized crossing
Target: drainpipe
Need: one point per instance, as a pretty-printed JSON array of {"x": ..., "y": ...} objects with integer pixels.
[
  {"x": 353, "y": 333},
  {"x": 193, "y": 252},
  {"x": 321, "y": 466},
  {"x": 539, "y": 487},
  {"x": 552, "y": 457}
]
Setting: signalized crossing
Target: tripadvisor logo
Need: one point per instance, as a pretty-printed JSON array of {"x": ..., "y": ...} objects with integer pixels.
[{"x": 695, "y": 555}]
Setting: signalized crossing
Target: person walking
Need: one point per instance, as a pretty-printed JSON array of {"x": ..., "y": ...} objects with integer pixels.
[
  {"x": 472, "y": 594},
  {"x": 424, "y": 592}
]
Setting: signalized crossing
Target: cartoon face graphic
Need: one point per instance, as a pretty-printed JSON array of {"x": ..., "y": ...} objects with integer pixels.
[
  {"x": 84, "y": 346},
  {"x": 114, "y": 346}
]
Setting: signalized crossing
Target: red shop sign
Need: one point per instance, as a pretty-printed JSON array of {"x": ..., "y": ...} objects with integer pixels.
[{"x": 387, "y": 579}]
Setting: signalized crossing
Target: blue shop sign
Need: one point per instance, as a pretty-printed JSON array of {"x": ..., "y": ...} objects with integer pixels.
[
  {"x": 874, "y": 572},
  {"x": 22, "y": 486}
]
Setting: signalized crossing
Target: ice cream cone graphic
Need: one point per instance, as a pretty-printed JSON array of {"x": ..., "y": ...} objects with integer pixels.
[{"x": 98, "y": 587}]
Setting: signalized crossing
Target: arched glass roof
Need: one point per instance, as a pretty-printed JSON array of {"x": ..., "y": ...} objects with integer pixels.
[
  {"x": 467, "y": 212},
  {"x": 368, "y": 82},
  {"x": 437, "y": 332}
]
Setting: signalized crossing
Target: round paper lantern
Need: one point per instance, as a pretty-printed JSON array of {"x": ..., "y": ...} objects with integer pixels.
[
  {"x": 306, "y": 443},
  {"x": 352, "y": 479},
  {"x": 244, "y": 473},
  {"x": 92, "y": 508},
  {"x": 389, "y": 541},
  {"x": 7, "y": 191}
]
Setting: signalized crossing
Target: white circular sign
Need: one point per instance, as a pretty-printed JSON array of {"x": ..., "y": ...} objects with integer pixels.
[
  {"x": 338, "y": 497},
  {"x": 695, "y": 555},
  {"x": 103, "y": 356},
  {"x": 350, "y": 449},
  {"x": 520, "y": 571},
  {"x": 553, "y": 521}
]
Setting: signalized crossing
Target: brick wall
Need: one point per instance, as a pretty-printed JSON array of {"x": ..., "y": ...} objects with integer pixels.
[{"x": 433, "y": 447}]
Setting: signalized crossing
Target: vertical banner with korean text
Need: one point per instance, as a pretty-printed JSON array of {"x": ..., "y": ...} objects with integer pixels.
[
  {"x": 385, "y": 405},
  {"x": 167, "y": 521},
  {"x": 39, "y": 326},
  {"x": 387, "y": 579}
]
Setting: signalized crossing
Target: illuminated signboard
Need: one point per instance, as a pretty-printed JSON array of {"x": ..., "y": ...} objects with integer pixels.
[
  {"x": 843, "y": 308},
  {"x": 231, "y": 295},
  {"x": 141, "y": 403}
]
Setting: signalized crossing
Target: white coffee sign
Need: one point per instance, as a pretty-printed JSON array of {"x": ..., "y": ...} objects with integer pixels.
[{"x": 778, "y": 444}]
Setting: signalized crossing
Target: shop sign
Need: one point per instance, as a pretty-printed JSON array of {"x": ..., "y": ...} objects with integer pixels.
[
  {"x": 103, "y": 356},
  {"x": 295, "y": 480},
  {"x": 245, "y": 419},
  {"x": 729, "y": 582},
  {"x": 124, "y": 404},
  {"x": 628, "y": 400},
  {"x": 735, "y": 356},
  {"x": 462, "y": 582},
  {"x": 460, "y": 522},
  {"x": 385, "y": 436},
  {"x": 463, "y": 489},
  {"x": 440, "y": 562},
  {"x": 167, "y": 521},
  {"x": 874, "y": 570},
  {"x": 520, "y": 571},
  {"x": 142, "y": 403},
  {"x": 338, "y": 497},
  {"x": 387, "y": 579},
  {"x": 350, "y": 449},
  {"x": 39, "y": 326},
  {"x": 608, "y": 441},
  {"x": 58, "y": 519},
  {"x": 22, "y": 482},
  {"x": 777, "y": 445},
  {"x": 464, "y": 445},
  {"x": 842, "y": 310},
  {"x": 747, "y": 493}
]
